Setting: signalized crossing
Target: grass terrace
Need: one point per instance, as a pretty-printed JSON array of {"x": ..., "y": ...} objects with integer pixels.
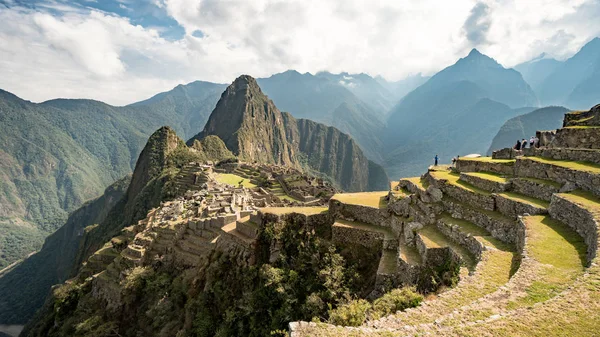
[
  {"x": 525, "y": 199},
  {"x": 574, "y": 165},
  {"x": 562, "y": 253},
  {"x": 488, "y": 176},
  {"x": 490, "y": 160},
  {"x": 233, "y": 179},
  {"x": 288, "y": 210},
  {"x": 369, "y": 199},
  {"x": 542, "y": 181},
  {"x": 454, "y": 179},
  {"x": 420, "y": 183}
]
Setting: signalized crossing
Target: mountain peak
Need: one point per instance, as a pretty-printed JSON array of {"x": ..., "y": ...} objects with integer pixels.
[{"x": 475, "y": 53}]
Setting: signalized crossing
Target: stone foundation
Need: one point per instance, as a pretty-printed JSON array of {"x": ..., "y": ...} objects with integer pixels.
[
  {"x": 589, "y": 155},
  {"x": 464, "y": 239},
  {"x": 582, "y": 138}
]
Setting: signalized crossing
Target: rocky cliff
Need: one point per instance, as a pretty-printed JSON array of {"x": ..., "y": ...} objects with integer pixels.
[{"x": 255, "y": 130}]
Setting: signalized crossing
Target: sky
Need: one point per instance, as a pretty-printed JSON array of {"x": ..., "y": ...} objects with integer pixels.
[{"x": 123, "y": 51}]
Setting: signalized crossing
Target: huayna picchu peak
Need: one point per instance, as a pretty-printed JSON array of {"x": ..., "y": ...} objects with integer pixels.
[{"x": 254, "y": 130}]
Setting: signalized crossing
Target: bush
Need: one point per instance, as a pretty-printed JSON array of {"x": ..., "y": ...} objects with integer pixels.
[
  {"x": 395, "y": 300},
  {"x": 353, "y": 313}
]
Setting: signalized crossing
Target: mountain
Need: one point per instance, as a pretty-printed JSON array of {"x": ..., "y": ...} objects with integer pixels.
[
  {"x": 536, "y": 71},
  {"x": 525, "y": 126},
  {"x": 476, "y": 90},
  {"x": 574, "y": 82},
  {"x": 254, "y": 129},
  {"x": 366, "y": 88},
  {"x": 402, "y": 87},
  {"x": 58, "y": 154},
  {"x": 319, "y": 97},
  {"x": 24, "y": 286}
]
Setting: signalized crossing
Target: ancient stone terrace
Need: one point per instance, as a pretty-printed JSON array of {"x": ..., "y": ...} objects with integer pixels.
[{"x": 524, "y": 225}]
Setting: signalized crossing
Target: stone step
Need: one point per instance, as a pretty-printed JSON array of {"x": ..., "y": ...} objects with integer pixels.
[
  {"x": 488, "y": 181},
  {"x": 512, "y": 204},
  {"x": 579, "y": 210},
  {"x": 451, "y": 185},
  {"x": 585, "y": 175},
  {"x": 486, "y": 164},
  {"x": 433, "y": 238},
  {"x": 536, "y": 188},
  {"x": 409, "y": 254}
]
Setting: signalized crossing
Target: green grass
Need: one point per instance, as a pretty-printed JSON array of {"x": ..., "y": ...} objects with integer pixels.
[
  {"x": 488, "y": 176},
  {"x": 490, "y": 160},
  {"x": 454, "y": 179},
  {"x": 409, "y": 254},
  {"x": 562, "y": 254},
  {"x": 288, "y": 210},
  {"x": 233, "y": 179},
  {"x": 525, "y": 199},
  {"x": 370, "y": 199},
  {"x": 574, "y": 165},
  {"x": 465, "y": 226},
  {"x": 586, "y": 199},
  {"x": 388, "y": 263}
]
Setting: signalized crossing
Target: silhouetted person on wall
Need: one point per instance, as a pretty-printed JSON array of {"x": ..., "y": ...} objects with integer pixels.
[
  {"x": 436, "y": 160},
  {"x": 523, "y": 144},
  {"x": 518, "y": 145}
]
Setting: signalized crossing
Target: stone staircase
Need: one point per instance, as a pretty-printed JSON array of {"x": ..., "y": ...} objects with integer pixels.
[{"x": 526, "y": 228}]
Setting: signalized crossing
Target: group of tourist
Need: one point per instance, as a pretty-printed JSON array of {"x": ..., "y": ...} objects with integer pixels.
[{"x": 522, "y": 144}]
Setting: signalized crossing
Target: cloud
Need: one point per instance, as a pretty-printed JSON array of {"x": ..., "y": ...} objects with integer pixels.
[
  {"x": 478, "y": 23},
  {"x": 63, "y": 50}
]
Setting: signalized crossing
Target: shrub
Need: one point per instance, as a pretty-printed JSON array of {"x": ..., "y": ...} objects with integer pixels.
[
  {"x": 353, "y": 313},
  {"x": 396, "y": 300}
]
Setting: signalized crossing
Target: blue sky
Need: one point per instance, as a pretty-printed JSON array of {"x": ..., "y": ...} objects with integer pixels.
[{"x": 122, "y": 51}]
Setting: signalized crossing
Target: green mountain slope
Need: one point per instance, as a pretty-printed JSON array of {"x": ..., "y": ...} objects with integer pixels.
[{"x": 60, "y": 153}]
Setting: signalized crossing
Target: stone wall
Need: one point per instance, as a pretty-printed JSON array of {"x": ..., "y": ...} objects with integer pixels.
[
  {"x": 466, "y": 165},
  {"x": 545, "y": 137},
  {"x": 369, "y": 215},
  {"x": 589, "y": 155},
  {"x": 530, "y": 168},
  {"x": 578, "y": 218},
  {"x": 488, "y": 185},
  {"x": 587, "y": 118},
  {"x": 464, "y": 239},
  {"x": 583, "y": 138},
  {"x": 472, "y": 198},
  {"x": 349, "y": 235},
  {"x": 499, "y": 227},
  {"x": 512, "y": 208},
  {"x": 533, "y": 189}
]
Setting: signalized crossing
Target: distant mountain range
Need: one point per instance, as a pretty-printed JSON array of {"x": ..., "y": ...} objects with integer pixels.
[
  {"x": 454, "y": 112},
  {"x": 572, "y": 83}
]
